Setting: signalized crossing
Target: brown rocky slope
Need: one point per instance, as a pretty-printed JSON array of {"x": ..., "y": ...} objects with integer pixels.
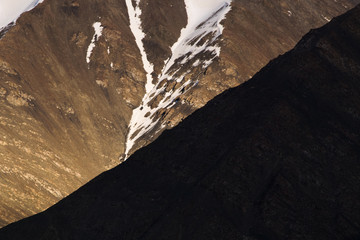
[
  {"x": 63, "y": 121},
  {"x": 275, "y": 158}
]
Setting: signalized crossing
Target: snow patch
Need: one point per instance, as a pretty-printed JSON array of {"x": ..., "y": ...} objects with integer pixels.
[
  {"x": 111, "y": 63},
  {"x": 326, "y": 18},
  {"x": 98, "y": 32}
]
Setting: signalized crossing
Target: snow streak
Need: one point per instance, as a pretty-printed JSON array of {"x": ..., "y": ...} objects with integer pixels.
[
  {"x": 98, "y": 32},
  {"x": 197, "y": 44},
  {"x": 135, "y": 26}
]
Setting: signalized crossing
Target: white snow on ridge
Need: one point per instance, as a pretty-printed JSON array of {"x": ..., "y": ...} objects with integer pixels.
[
  {"x": 197, "y": 44},
  {"x": 199, "y": 25},
  {"x": 135, "y": 26},
  {"x": 98, "y": 32},
  {"x": 199, "y": 10},
  {"x": 10, "y": 10}
]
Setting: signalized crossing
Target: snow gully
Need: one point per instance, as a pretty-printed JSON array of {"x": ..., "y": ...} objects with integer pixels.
[{"x": 204, "y": 18}]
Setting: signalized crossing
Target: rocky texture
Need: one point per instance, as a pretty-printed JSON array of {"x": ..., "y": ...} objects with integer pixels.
[
  {"x": 63, "y": 121},
  {"x": 162, "y": 23},
  {"x": 3, "y": 30},
  {"x": 276, "y": 158}
]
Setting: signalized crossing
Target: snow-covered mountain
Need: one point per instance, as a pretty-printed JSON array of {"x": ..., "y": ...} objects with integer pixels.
[
  {"x": 84, "y": 82},
  {"x": 10, "y": 10}
]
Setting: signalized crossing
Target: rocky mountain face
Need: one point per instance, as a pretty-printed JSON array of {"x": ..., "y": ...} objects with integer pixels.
[
  {"x": 73, "y": 86},
  {"x": 275, "y": 158}
]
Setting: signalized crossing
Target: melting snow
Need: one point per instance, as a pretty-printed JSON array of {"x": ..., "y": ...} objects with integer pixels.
[
  {"x": 326, "y": 18},
  {"x": 98, "y": 32},
  {"x": 197, "y": 43},
  {"x": 10, "y": 10},
  {"x": 111, "y": 63}
]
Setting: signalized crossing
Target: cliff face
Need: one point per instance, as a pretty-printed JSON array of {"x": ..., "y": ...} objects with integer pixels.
[
  {"x": 65, "y": 111},
  {"x": 275, "y": 158}
]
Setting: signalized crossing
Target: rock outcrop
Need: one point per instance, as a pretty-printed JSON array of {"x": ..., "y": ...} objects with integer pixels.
[
  {"x": 64, "y": 118},
  {"x": 275, "y": 158}
]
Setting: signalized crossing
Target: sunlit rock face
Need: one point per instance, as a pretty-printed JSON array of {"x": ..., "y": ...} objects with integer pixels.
[{"x": 72, "y": 77}]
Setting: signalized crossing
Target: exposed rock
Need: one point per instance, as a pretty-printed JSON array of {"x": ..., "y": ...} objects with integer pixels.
[
  {"x": 6, "y": 68},
  {"x": 79, "y": 39},
  {"x": 19, "y": 98},
  {"x": 2, "y": 92}
]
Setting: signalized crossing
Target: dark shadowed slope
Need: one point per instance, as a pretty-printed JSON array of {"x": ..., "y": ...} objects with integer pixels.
[{"x": 276, "y": 158}]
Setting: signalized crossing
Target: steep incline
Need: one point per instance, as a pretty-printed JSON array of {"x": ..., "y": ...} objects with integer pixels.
[
  {"x": 71, "y": 76},
  {"x": 276, "y": 158}
]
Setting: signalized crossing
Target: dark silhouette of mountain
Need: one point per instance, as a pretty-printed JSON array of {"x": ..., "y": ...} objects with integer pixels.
[{"x": 275, "y": 158}]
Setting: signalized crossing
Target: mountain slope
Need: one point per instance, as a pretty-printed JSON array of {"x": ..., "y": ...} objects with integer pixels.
[
  {"x": 72, "y": 76},
  {"x": 275, "y": 158}
]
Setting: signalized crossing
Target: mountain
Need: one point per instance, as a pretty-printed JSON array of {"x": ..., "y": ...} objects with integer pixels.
[
  {"x": 86, "y": 82},
  {"x": 275, "y": 158}
]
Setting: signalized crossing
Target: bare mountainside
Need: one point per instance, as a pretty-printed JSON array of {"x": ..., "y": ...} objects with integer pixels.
[
  {"x": 275, "y": 158},
  {"x": 73, "y": 83}
]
